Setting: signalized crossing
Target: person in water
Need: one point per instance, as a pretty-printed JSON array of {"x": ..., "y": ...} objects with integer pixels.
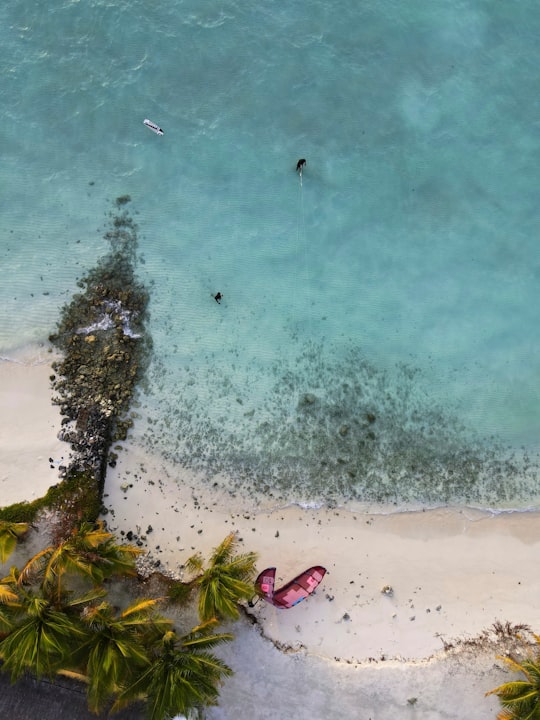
[
  {"x": 217, "y": 297},
  {"x": 300, "y": 165}
]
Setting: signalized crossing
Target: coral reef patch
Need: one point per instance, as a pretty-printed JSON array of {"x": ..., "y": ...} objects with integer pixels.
[{"x": 333, "y": 430}]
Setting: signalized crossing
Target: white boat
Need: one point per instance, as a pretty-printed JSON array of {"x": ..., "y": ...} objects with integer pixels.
[{"x": 152, "y": 125}]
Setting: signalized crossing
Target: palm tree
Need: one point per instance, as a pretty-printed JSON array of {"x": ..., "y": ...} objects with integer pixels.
[
  {"x": 8, "y": 603},
  {"x": 44, "y": 629},
  {"x": 227, "y": 580},
  {"x": 117, "y": 646},
  {"x": 10, "y": 534},
  {"x": 183, "y": 677},
  {"x": 98, "y": 547},
  {"x": 520, "y": 699},
  {"x": 89, "y": 551}
]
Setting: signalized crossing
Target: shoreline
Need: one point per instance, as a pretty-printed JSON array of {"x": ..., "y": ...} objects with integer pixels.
[{"x": 453, "y": 571}]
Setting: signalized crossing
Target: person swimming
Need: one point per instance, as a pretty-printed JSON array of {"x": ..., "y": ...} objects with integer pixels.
[
  {"x": 218, "y": 297},
  {"x": 300, "y": 165}
]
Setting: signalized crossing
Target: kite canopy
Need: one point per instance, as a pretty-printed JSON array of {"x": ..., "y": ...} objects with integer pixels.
[{"x": 294, "y": 591}]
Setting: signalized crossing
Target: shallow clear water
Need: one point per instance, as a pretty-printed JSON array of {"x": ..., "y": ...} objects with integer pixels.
[{"x": 377, "y": 338}]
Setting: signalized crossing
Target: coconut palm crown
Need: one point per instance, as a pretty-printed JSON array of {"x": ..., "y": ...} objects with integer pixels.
[
  {"x": 117, "y": 646},
  {"x": 227, "y": 580},
  {"x": 183, "y": 677},
  {"x": 44, "y": 629},
  {"x": 520, "y": 699},
  {"x": 89, "y": 551}
]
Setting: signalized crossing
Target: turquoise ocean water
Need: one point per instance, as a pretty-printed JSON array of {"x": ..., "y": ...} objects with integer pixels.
[{"x": 378, "y": 337}]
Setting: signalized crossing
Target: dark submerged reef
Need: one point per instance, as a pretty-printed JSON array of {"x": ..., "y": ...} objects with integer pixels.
[
  {"x": 331, "y": 430},
  {"x": 102, "y": 337}
]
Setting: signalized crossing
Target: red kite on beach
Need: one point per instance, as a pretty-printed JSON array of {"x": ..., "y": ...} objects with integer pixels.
[{"x": 294, "y": 591}]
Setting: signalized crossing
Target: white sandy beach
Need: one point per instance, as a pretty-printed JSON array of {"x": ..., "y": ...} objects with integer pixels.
[
  {"x": 453, "y": 571},
  {"x": 29, "y": 425}
]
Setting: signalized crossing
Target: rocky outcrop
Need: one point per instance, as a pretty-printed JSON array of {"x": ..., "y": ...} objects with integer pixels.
[{"x": 105, "y": 349}]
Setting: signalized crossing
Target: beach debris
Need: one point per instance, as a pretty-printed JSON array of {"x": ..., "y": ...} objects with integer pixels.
[{"x": 388, "y": 590}]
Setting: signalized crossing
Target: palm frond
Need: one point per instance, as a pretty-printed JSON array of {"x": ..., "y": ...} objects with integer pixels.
[
  {"x": 88, "y": 597},
  {"x": 520, "y": 699},
  {"x": 514, "y": 664},
  {"x": 181, "y": 680},
  {"x": 224, "y": 552},
  {"x": 140, "y": 606},
  {"x": 227, "y": 580},
  {"x": 6, "y": 621},
  {"x": 10, "y": 534},
  {"x": 208, "y": 641},
  {"x": 118, "y": 647},
  {"x": 516, "y": 692},
  {"x": 244, "y": 563},
  {"x": 35, "y": 566},
  {"x": 7, "y": 595},
  {"x": 179, "y": 592},
  {"x": 89, "y": 535},
  {"x": 195, "y": 563},
  {"x": 13, "y": 577},
  {"x": 40, "y": 644}
]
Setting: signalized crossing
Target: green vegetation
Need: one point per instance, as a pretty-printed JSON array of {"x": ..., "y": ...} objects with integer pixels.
[
  {"x": 55, "y": 618},
  {"x": 55, "y": 613},
  {"x": 75, "y": 499},
  {"x": 105, "y": 350},
  {"x": 520, "y": 699},
  {"x": 89, "y": 551},
  {"x": 10, "y": 534},
  {"x": 183, "y": 675},
  {"x": 227, "y": 580},
  {"x": 116, "y": 647},
  {"x": 45, "y": 630}
]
